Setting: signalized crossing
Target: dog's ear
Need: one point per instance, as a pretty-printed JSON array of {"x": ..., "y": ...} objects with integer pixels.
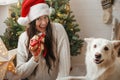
[
  {"x": 88, "y": 39},
  {"x": 116, "y": 44}
]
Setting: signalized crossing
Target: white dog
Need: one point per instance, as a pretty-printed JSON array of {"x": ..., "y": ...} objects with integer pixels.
[{"x": 101, "y": 59}]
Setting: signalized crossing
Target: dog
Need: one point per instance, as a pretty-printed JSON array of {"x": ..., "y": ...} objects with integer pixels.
[{"x": 101, "y": 59}]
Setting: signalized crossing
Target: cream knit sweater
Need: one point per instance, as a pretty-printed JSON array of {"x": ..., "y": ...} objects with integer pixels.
[{"x": 62, "y": 52}]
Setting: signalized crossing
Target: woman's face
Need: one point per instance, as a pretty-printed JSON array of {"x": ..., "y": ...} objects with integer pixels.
[{"x": 41, "y": 23}]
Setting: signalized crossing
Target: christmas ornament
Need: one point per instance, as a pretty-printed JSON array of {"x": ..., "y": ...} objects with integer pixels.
[
  {"x": 67, "y": 7},
  {"x": 59, "y": 14},
  {"x": 13, "y": 15},
  {"x": 6, "y": 61},
  {"x": 19, "y": 4}
]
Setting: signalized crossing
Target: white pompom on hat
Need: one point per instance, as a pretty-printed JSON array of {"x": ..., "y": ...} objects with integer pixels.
[{"x": 31, "y": 10}]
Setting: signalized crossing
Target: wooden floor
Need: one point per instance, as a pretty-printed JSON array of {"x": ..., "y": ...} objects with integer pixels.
[{"x": 78, "y": 64}]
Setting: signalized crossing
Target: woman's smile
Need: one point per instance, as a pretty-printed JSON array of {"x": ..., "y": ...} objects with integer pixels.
[
  {"x": 41, "y": 29},
  {"x": 41, "y": 23}
]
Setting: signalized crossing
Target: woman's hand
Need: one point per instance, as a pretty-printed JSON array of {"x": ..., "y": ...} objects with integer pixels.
[{"x": 36, "y": 54}]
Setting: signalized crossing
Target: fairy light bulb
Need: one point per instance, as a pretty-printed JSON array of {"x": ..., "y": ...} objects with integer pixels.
[
  {"x": 0, "y": 63},
  {"x": 0, "y": 43},
  {"x": 3, "y": 53},
  {"x": 0, "y": 51}
]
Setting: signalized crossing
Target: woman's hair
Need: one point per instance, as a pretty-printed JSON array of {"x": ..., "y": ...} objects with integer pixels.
[
  {"x": 112, "y": 2},
  {"x": 31, "y": 31}
]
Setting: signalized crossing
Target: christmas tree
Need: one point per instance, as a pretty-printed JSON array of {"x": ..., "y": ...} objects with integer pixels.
[{"x": 60, "y": 12}]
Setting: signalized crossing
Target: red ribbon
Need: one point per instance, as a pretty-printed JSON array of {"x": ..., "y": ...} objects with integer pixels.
[{"x": 39, "y": 42}]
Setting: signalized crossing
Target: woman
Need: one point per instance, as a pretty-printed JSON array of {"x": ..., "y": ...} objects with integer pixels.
[{"x": 51, "y": 63}]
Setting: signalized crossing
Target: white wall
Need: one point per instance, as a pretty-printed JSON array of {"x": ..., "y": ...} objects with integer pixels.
[
  {"x": 7, "y": 2},
  {"x": 3, "y": 16},
  {"x": 89, "y": 15}
]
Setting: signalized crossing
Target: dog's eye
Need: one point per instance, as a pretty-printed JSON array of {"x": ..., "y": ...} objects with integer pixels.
[
  {"x": 95, "y": 46},
  {"x": 106, "y": 48}
]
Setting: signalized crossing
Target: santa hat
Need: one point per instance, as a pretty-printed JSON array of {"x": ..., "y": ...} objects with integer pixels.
[{"x": 31, "y": 10}]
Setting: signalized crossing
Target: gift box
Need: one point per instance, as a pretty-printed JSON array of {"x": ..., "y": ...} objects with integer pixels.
[{"x": 37, "y": 43}]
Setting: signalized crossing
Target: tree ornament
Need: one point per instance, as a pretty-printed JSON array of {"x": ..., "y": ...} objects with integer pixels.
[
  {"x": 59, "y": 14},
  {"x": 71, "y": 29},
  {"x": 13, "y": 15},
  {"x": 18, "y": 4},
  {"x": 67, "y": 7}
]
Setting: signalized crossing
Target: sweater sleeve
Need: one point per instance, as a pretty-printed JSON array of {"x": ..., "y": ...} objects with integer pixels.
[
  {"x": 24, "y": 68},
  {"x": 63, "y": 49}
]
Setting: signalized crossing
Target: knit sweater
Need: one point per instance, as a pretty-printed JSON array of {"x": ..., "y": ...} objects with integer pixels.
[{"x": 61, "y": 50}]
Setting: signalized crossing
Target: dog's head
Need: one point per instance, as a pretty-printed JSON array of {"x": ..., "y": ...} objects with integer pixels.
[{"x": 101, "y": 51}]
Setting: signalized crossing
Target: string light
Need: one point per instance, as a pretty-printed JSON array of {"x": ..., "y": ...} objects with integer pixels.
[
  {"x": 0, "y": 51},
  {"x": 0, "y": 63}
]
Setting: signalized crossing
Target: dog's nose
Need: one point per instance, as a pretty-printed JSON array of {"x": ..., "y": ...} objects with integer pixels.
[{"x": 98, "y": 56}]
